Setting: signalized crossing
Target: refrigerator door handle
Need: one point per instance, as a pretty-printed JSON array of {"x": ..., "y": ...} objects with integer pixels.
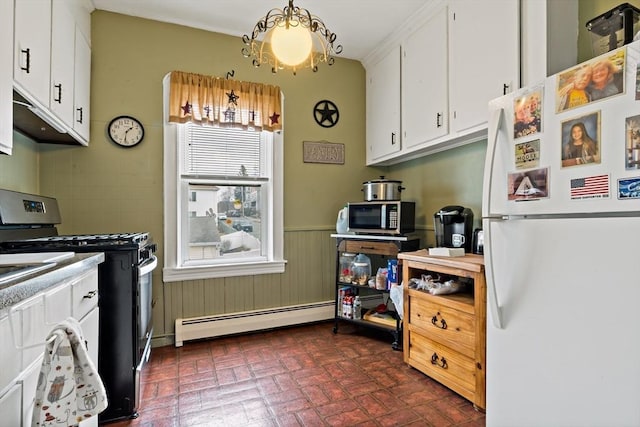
[
  {"x": 492, "y": 295},
  {"x": 495, "y": 120}
]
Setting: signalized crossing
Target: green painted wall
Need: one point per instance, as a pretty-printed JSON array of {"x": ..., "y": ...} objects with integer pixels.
[{"x": 20, "y": 171}]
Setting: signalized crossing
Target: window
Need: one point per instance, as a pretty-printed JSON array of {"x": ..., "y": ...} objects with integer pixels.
[{"x": 223, "y": 201}]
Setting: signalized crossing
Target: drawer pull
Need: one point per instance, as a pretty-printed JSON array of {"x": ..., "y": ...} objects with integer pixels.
[
  {"x": 439, "y": 361},
  {"x": 443, "y": 323},
  {"x": 59, "y": 89},
  {"x": 90, "y": 294},
  {"x": 27, "y": 53}
]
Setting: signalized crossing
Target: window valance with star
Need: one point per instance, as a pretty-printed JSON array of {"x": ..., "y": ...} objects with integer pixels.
[{"x": 217, "y": 101}]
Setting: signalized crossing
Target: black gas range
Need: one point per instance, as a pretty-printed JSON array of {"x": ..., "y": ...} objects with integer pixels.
[{"x": 27, "y": 224}]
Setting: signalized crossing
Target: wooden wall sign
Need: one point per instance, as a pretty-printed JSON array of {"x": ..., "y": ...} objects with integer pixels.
[{"x": 323, "y": 152}]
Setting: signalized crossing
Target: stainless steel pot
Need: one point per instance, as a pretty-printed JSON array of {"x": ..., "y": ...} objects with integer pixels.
[{"x": 382, "y": 189}]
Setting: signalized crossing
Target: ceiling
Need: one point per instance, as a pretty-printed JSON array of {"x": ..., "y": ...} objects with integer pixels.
[{"x": 360, "y": 25}]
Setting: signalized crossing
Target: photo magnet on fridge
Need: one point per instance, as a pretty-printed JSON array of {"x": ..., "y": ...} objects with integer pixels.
[
  {"x": 591, "y": 81},
  {"x": 581, "y": 140},
  {"x": 629, "y": 188},
  {"x": 632, "y": 135},
  {"x": 529, "y": 185},
  {"x": 528, "y": 113},
  {"x": 590, "y": 187},
  {"x": 528, "y": 154}
]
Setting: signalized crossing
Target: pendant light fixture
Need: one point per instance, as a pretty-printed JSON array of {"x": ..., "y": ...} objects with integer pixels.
[{"x": 290, "y": 38}]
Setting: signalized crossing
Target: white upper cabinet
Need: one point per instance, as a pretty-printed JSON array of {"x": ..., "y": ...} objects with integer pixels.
[
  {"x": 82, "y": 86},
  {"x": 6, "y": 72},
  {"x": 383, "y": 106},
  {"x": 52, "y": 62},
  {"x": 32, "y": 48},
  {"x": 62, "y": 58},
  {"x": 484, "y": 57},
  {"x": 425, "y": 103},
  {"x": 457, "y": 55}
]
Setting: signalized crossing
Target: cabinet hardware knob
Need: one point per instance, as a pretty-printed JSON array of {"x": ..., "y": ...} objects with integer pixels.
[
  {"x": 393, "y": 138},
  {"x": 90, "y": 294},
  {"x": 439, "y": 361},
  {"x": 27, "y": 53},
  {"x": 59, "y": 98},
  {"x": 438, "y": 117},
  {"x": 443, "y": 323},
  {"x": 504, "y": 88},
  {"x": 79, "y": 110}
]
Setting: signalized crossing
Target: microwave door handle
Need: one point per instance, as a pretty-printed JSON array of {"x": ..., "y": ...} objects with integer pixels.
[{"x": 383, "y": 216}]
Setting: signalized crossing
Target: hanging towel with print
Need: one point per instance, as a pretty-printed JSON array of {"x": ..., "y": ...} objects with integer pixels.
[{"x": 69, "y": 388}]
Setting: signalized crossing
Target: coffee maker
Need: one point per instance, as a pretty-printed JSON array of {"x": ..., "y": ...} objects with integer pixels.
[{"x": 454, "y": 227}]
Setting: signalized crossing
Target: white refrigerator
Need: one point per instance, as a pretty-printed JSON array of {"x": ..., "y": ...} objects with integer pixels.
[{"x": 561, "y": 220}]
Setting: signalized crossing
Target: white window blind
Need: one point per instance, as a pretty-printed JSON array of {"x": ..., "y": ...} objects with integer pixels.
[{"x": 222, "y": 152}]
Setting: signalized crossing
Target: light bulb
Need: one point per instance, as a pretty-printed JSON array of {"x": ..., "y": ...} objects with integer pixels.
[{"x": 291, "y": 45}]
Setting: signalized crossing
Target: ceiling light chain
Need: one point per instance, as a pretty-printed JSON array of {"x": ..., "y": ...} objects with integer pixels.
[{"x": 285, "y": 25}]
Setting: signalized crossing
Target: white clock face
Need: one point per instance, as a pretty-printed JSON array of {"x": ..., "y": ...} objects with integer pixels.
[{"x": 126, "y": 131}]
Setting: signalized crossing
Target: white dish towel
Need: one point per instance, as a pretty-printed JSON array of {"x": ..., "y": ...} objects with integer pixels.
[{"x": 69, "y": 388}]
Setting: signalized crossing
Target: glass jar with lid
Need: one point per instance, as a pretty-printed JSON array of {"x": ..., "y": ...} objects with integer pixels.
[
  {"x": 346, "y": 262},
  {"x": 361, "y": 269}
]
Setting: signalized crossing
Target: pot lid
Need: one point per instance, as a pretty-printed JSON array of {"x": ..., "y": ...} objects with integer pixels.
[{"x": 381, "y": 180}]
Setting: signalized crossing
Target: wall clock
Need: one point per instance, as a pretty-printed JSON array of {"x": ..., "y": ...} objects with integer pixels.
[{"x": 125, "y": 131}]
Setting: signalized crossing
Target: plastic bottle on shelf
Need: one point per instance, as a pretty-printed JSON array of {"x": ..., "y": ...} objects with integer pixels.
[
  {"x": 347, "y": 308},
  {"x": 392, "y": 273},
  {"x": 342, "y": 220},
  {"x": 357, "y": 307}
]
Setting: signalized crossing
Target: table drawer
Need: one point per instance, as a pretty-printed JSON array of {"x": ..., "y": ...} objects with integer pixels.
[
  {"x": 376, "y": 248},
  {"x": 443, "y": 364},
  {"x": 443, "y": 324}
]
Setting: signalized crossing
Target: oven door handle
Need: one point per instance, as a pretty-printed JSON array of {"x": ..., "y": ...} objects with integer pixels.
[{"x": 148, "y": 266}]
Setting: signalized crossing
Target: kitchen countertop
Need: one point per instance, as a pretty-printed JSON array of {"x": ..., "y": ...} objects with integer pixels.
[{"x": 20, "y": 289}]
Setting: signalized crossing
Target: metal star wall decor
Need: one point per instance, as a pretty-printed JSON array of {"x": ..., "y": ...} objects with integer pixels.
[{"x": 326, "y": 113}]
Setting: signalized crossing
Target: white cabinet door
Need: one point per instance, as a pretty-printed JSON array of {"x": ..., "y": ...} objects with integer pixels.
[
  {"x": 425, "y": 111},
  {"x": 10, "y": 407},
  {"x": 62, "y": 58},
  {"x": 29, "y": 380},
  {"x": 484, "y": 57},
  {"x": 10, "y": 356},
  {"x": 82, "y": 87},
  {"x": 89, "y": 325},
  {"x": 383, "y": 106},
  {"x": 37, "y": 316},
  {"x": 6, "y": 69},
  {"x": 32, "y": 47}
]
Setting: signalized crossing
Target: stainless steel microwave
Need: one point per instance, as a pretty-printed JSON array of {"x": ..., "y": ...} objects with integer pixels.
[{"x": 382, "y": 217}]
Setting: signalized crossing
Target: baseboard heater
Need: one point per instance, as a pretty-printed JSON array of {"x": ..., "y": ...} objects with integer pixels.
[{"x": 250, "y": 321}]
